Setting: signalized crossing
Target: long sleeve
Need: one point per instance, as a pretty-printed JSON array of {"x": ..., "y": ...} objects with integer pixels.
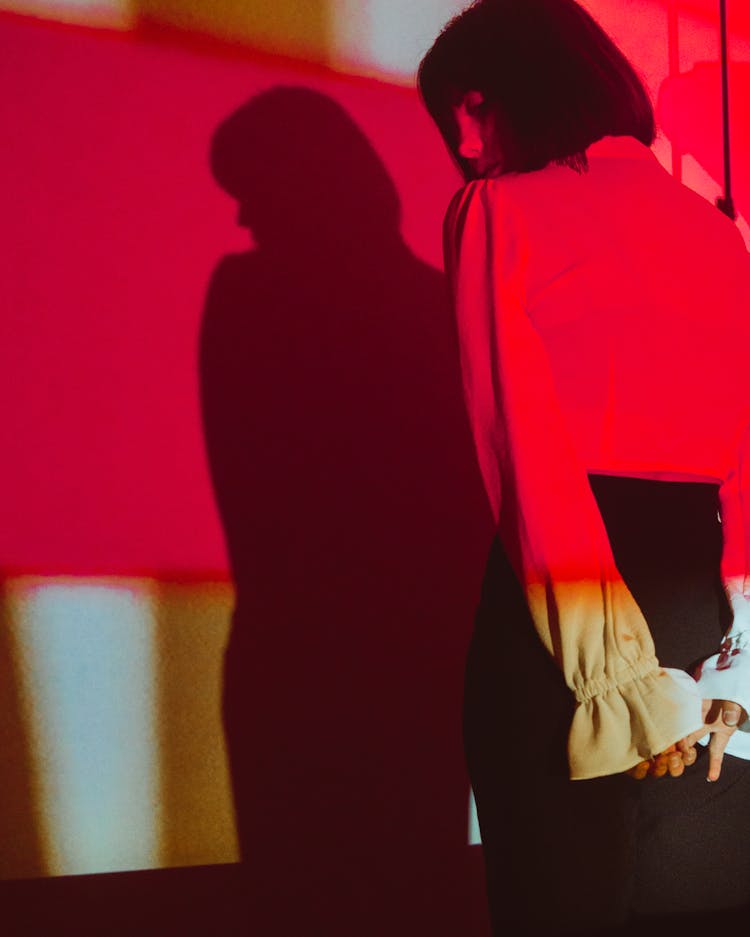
[
  {"x": 628, "y": 707},
  {"x": 726, "y": 675}
]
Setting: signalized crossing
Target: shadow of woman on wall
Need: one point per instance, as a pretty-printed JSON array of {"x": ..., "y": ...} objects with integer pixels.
[{"x": 356, "y": 526}]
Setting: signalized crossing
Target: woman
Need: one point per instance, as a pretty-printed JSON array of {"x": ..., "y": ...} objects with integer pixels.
[{"x": 603, "y": 320}]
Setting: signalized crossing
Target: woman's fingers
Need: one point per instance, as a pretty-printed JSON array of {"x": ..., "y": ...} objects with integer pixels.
[
  {"x": 724, "y": 716},
  {"x": 675, "y": 764},
  {"x": 732, "y": 713},
  {"x": 690, "y": 740},
  {"x": 670, "y": 761},
  {"x": 659, "y": 766},
  {"x": 688, "y": 751},
  {"x": 716, "y": 754},
  {"x": 720, "y": 718},
  {"x": 640, "y": 770}
]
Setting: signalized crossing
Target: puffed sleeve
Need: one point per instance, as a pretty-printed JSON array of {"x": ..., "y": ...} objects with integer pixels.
[
  {"x": 628, "y": 707},
  {"x": 726, "y": 675}
]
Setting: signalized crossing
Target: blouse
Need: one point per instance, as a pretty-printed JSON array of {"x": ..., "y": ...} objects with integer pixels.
[{"x": 604, "y": 328}]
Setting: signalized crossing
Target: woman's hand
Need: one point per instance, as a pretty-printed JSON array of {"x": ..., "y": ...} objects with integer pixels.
[
  {"x": 720, "y": 718},
  {"x": 672, "y": 761}
]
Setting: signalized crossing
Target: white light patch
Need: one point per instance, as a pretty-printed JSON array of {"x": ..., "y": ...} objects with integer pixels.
[
  {"x": 475, "y": 838},
  {"x": 86, "y": 655},
  {"x": 387, "y": 37}
]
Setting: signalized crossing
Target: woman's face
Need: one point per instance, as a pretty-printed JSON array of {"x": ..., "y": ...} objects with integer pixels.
[{"x": 478, "y": 141}]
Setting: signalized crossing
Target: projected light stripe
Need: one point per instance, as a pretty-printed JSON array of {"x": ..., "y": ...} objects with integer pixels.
[
  {"x": 112, "y": 14},
  {"x": 86, "y": 655},
  {"x": 475, "y": 838}
]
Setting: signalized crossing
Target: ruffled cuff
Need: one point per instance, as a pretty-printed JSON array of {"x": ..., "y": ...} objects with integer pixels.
[
  {"x": 618, "y": 723},
  {"x": 726, "y": 675}
]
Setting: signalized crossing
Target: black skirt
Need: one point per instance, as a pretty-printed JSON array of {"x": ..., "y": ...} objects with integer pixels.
[{"x": 567, "y": 856}]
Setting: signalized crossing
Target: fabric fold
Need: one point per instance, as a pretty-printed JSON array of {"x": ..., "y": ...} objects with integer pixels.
[{"x": 660, "y": 706}]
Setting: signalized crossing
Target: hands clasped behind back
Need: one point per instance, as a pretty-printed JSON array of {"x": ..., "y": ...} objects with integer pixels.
[{"x": 721, "y": 719}]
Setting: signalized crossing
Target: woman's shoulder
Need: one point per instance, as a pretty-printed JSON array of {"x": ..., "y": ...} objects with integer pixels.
[
  {"x": 489, "y": 198},
  {"x": 510, "y": 201},
  {"x": 519, "y": 187}
]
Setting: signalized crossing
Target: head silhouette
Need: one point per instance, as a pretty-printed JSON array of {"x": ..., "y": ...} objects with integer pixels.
[{"x": 293, "y": 158}]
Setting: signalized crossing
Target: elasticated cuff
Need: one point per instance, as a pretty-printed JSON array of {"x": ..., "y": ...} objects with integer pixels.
[{"x": 620, "y": 723}]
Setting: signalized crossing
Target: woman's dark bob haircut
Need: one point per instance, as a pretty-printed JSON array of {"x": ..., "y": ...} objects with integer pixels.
[{"x": 549, "y": 74}]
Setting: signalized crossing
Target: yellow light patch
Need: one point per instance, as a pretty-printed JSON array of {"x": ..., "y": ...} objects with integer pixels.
[
  {"x": 110, "y": 14},
  {"x": 197, "y": 813},
  {"x": 296, "y": 28}
]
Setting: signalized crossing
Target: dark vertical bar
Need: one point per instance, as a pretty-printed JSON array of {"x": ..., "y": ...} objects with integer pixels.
[
  {"x": 725, "y": 203},
  {"x": 673, "y": 39}
]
